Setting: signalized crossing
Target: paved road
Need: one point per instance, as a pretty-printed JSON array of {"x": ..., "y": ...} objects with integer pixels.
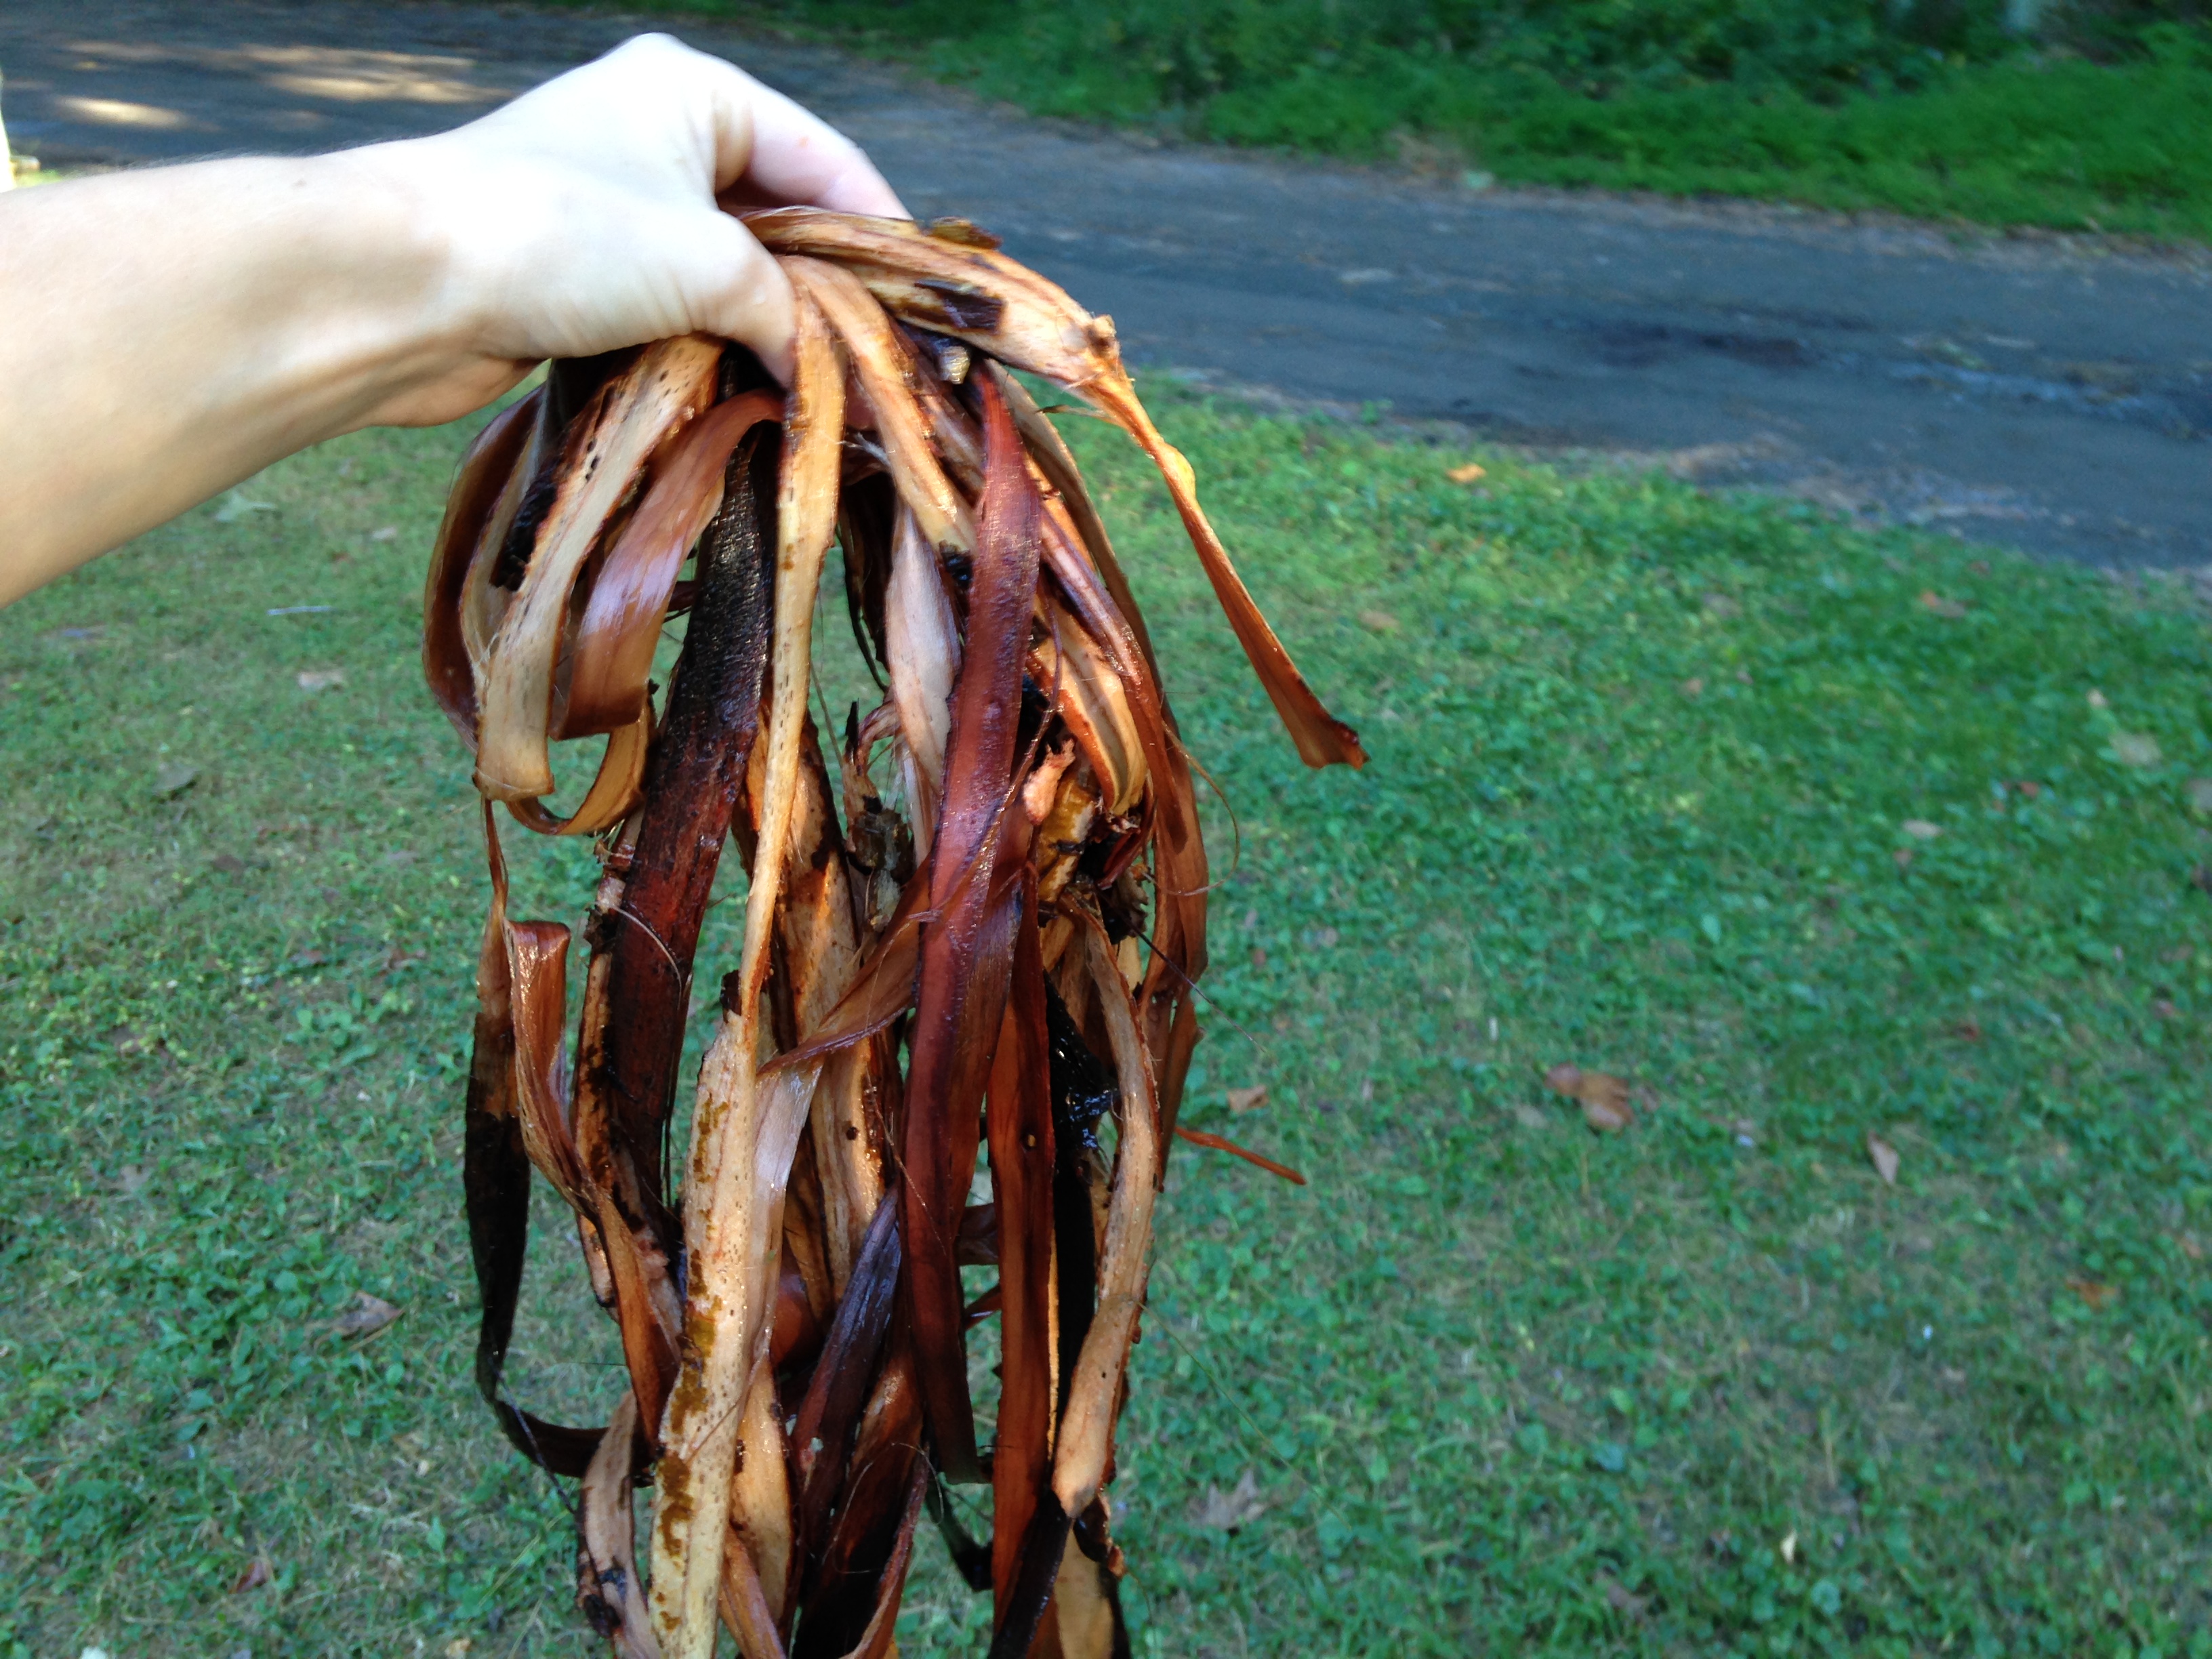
[{"x": 2054, "y": 395}]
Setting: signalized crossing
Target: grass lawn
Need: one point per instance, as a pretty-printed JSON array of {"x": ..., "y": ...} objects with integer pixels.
[{"x": 1656, "y": 788}]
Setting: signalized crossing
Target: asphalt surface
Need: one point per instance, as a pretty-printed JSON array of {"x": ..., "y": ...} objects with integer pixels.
[{"x": 2052, "y": 393}]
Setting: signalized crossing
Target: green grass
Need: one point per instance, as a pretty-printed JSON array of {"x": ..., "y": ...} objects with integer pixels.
[
  {"x": 1502, "y": 1385},
  {"x": 1822, "y": 104}
]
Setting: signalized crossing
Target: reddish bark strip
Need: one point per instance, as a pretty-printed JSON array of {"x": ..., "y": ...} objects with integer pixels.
[
  {"x": 1022, "y": 1155},
  {"x": 967, "y": 952}
]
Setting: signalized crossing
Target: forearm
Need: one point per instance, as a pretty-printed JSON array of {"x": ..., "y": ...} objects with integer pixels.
[{"x": 165, "y": 334}]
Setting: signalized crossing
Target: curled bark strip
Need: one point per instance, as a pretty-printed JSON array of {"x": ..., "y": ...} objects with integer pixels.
[
  {"x": 743, "y": 1605},
  {"x": 609, "y": 1592},
  {"x": 608, "y": 446},
  {"x": 495, "y": 1178},
  {"x": 537, "y": 977},
  {"x": 629, "y": 595},
  {"x": 1086, "y": 1429},
  {"x": 614, "y": 787},
  {"x": 966, "y": 955},
  {"x": 755, "y": 1126},
  {"x": 760, "y": 1500},
  {"x": 891, "y": 374},
  {"x": 924, "y": 643},
  {"x": 484, "y": 474}
]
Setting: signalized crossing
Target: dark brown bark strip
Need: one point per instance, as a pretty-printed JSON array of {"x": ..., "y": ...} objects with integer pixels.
[{"x": 843, "y": 1377}]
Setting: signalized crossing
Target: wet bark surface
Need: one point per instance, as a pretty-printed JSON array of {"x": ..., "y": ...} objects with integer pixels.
[{"x": 2052, "y": 393}]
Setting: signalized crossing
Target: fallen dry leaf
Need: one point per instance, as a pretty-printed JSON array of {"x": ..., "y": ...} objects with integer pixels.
[
  {"x": 257, "y": 1572},
  {"x": 2137, "y": 749},
  {"x": 1921, "y": 828},
  {"x": 1604, "y": 1097},
  {"x": 2098, "y": 699},
  {"x": 2190, "y": 1248},
  {"x": 174, "y": 779},
  {"x": 1936, "y": 606},
  {"x": 1468, "y": 473},
  {"x": 1622, "y": 1600},
  {"x": 1884, "y": 1158},
  {"x": 2029, "y": 787},
  {"x": 1259, "y": 955},
  {"x": 1380, "y": 621},
  {"x": 1967, "y": 1031},
  {"x": 1529, "y": 1117},
  {"x": 1248, "y": 1100},
  {"x": 134, "y": 1180},
  {"x": 1694, "y": 686},
  {"x": 1790, "y": 1548},
  {"x": 368, "y": 1314},
  {"x": 460, "y": 1647},
  {"x": 321, "y": 679},
  {"x": 2095, "y": 1291},
  {"x": 1904, "y": 857},
  {"x": 1226, "y": 1513}
]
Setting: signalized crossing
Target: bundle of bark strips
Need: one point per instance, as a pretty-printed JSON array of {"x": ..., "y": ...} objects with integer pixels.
[{"x": 976, "y": 928}]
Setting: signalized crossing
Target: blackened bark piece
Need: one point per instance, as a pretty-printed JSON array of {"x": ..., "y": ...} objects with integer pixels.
[
  {"x": 570, "y": 383},
  {"x": 864, "y": 516},
  {"x": 1037, "y": 1569},
  {"x": 1083, "y": 1091},
  {"x": 633, "y": 1037}
]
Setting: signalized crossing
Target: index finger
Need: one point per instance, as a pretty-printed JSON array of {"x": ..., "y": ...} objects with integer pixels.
[{"x": 798, "y": 159}]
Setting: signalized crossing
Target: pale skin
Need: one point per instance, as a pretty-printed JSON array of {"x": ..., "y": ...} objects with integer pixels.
[{"x": 165, "y": 334}]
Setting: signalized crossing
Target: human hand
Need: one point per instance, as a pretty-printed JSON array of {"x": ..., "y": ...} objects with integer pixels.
[
  {"x": 584, "y": 215},
  {"x": 171, "y": 330}
]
